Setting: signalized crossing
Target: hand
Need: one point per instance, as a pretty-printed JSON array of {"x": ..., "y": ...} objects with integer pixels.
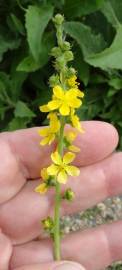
[{"x": 21, "y": 210}]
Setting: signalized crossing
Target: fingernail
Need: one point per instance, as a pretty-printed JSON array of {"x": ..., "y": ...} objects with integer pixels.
[{"x": 69, "y": 266}]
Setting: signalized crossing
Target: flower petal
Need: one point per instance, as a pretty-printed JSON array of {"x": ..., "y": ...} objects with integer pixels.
[
  {"x": 64, "y": 109},
  {"x": 74, "y": 102},
  {"x": 54, "y": 104},
  {"x": 51, "y": 138},
  {"x": 44, "y": 131},
  {"x": 44, "y": 174},
  {"x": 45, "y": 141},
  {"x": 62, "y": 177},
  {"x": 72, "y": 170},
  {"x": 53, "y": 169},
  {"x": 42, "y": 188},
  {"x": 74, "y": 148},
  {"x": 68, "y": 157},
  {"x": 44, "y": 108},
  {"x": 56, "y": 158},
  {"x": 58, "y": 92}
]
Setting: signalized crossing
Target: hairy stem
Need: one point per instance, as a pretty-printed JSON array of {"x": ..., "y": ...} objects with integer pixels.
[{"x": 57, "y": 251}]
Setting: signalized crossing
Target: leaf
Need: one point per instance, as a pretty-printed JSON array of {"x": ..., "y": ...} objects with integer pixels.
[
  {"x": 115, "y": 83},
  {"x": 112, "y": 10},
  {"x": 88, "y": 42},
  {"x": 18, "y": 24},
  {"x": 110, "y": 58},
  {"x": 28, "y": 64},
  {"x": 37, "y": 18},
  {"x": 108, "y": 11},
  {"x": 18, "y": 123},
  {"x": 22, "y": 110},
  {"x": 7, "y": 43},
  {"x": 78, "y": 8},
  {"x": 16, "y": 83}
]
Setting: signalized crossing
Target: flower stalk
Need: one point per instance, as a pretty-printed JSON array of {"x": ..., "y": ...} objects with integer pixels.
[{"x": 61, "y": 109}]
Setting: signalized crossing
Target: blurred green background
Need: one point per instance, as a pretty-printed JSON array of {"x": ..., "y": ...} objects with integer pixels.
[{"x": 27, "y": 35}]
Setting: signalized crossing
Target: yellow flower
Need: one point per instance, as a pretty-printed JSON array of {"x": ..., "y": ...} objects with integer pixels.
[
  {"x": 64, "y": 100},
  {"x": 44, "y": 174},
  {"x": 61, "y": 168},
  {"x": 70, "y": 137},
  {"x": 76, "y": 122},
  {"x": 72, "y": 81},
  {"x": 42, "y": 188},
  {"x": 49, "y": 133},
  {"x": 44, "y": 108}
]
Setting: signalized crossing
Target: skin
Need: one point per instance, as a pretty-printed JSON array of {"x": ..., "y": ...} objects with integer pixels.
[{"x": 23, "y": 245}]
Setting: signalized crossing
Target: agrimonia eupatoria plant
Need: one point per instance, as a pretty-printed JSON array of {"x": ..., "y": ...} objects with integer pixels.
[{"x": 61, "y": 109}]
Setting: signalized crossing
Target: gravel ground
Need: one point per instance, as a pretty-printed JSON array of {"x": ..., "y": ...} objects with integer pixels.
[{"x": 107, "y": 211}]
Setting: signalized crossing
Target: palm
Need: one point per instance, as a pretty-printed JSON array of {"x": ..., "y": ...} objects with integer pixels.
[{"x": 22, "y": 209}]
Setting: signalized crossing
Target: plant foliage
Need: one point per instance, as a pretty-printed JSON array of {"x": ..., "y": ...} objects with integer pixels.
[{"x": 26, "y": 38}]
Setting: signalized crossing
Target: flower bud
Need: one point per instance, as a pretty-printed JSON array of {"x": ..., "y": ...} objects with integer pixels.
[
  {"x": 48, "y": 223},
  {"x": 54, "y": 80},
  {"x": 58, "y": 19},
  {"x": 60, "y": 62},
  {"x": 66, "y": 46},
  {"x": 69, "y": 195},
  {"x": 56, "y": 52},
  {"x": 68, "y": 56}
]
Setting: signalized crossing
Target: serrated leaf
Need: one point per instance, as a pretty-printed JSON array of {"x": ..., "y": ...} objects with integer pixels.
[
  {"x": 110, "y": 58},
  {"x": 78, "y": 8},
  {"x": 7, "y": 43},
  {"x": 29, "y": 64},
  {"x": 22, "y": 110},
  {"x": 37, "y": 18},
  {"x": 88, "y": 42}
]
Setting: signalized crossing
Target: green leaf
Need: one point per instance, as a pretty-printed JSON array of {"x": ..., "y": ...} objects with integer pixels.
[
  {"x": 91, "y": 45},
  {"x": 28, "y": 64},
  {"x": 22, "y": 110},
  {"x": 108, "y": 10},
  {"x": 110, "y": 58},
  {"x": 16, "y": 84},
  {"x": 78, "y": 8},
  {"x": 115, "y": 83},
  {"x": 81, "y": 66},
  {"x": 88, "y": 42},
  {"x": 112, "y": 10},
  {"x": 37, "y": 18},
  {"x": 7, "y": 43},
  {"x": 18, "y": 123},
  {"x": 18, "y": 24}
]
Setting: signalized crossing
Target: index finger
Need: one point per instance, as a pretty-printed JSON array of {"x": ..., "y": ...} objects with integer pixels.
[{"x": 99, "y": 140}]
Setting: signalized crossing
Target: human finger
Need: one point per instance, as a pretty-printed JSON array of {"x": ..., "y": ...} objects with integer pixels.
[
  {"x": 95, "y": 248},
  {"x": 64, "y": 265},
  {"x": 5, "y": 252},
  {"x": 20, "y": 218},
  {"x": 98, "y": 141}
]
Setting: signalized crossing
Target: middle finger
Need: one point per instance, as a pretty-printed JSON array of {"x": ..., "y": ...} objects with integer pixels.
[{"x": 20, "y": 217}]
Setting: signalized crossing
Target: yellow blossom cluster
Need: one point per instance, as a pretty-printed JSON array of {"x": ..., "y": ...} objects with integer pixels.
[
  {"x": 61, "y": 109},
  {"x": 64, "y": 103}
]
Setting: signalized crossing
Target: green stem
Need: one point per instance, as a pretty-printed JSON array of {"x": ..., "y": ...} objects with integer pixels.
[
  {"x": 21, "y": 7},
  {"x": 57, "y": 251}
]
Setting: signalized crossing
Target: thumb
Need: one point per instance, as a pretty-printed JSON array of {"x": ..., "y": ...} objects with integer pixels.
[
  {"x": 5, "y": 251},
  {"x": 64, "y": 265}
]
